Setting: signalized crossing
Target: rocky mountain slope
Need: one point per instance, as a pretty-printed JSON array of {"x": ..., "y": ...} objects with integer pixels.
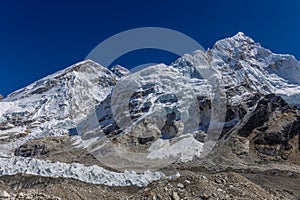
[{"x": 224, "y": 119}]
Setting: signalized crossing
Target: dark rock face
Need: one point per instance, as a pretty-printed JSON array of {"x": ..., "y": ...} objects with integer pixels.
[
  {"x": 31, "y": 150},
  {"x": 278, "y": 139},
  {"x": 205, "y": 112},
  {"x": 272, "y": 129},
  {"x": 144, "y": 140},
  {"x": 167, "y": 98},
  {"x": 170, "y": 128},
  {"x": 15, "y": 119},
  {"x": 138, "y": 103},
  {"x": 262, "y": 113}
]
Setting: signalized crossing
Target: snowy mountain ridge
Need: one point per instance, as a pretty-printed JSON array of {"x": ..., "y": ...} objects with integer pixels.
[
  {"x": 240, "y": 60},
  {"x": 56, "y": 102}
]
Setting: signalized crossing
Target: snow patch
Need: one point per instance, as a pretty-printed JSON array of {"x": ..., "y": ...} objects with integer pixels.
[{"x": 185, "y": 148}]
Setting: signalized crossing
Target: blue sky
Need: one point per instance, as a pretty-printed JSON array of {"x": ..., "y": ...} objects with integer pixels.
[{"x": 40, "y": 37}]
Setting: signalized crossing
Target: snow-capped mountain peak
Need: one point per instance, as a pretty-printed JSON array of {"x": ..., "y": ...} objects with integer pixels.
[
  {"x": 241, "y": 60},
  {"x": 69, "y": 74},
  {"x": 54, "y": 103}
]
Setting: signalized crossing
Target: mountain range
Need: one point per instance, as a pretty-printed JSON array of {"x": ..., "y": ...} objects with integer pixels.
[{"x": 232, "y": 109}]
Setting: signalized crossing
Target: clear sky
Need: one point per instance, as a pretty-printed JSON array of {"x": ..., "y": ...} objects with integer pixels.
[{"x": 40, "y": 37}]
